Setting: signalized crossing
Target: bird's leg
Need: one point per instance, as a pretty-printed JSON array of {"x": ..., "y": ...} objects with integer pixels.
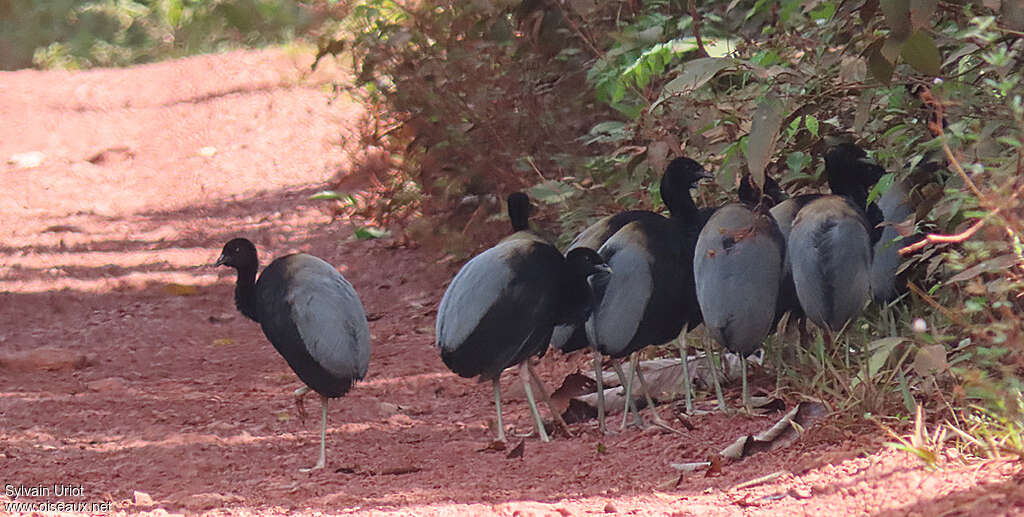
[
  {"x": 497, "y": 404},
  {"x": 713, "y": 368},
  {"x": 684, "y": 352},
  {"x": 627, "y": 384},
  {"x": 546, "y": 398},
  {"x": 320, "y": 463},
  {"x": 524, "y": 372},
  {"x": 300, "y": 408},
  {"x": 747, "y": 404},
  {"x": 600, "y": 391},
  {"x": 650, "y": 403}
]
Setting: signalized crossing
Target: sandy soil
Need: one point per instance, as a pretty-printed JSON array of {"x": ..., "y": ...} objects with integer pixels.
[{"x": 127, "y": 377}]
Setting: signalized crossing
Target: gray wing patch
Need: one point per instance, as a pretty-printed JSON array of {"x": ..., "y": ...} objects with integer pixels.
[
  {"x": 737, "y": 289},
  {"x": 830, "y": 266},
  {"x": 591, "y": 236},
  {"x": 329, "y": 317},
  {"x": 473, "y": 291},
  {"x": 615, "y": 320}
]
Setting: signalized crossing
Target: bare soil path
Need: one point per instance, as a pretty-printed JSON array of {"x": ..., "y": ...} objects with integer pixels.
[{"x": 126, "y": 371}]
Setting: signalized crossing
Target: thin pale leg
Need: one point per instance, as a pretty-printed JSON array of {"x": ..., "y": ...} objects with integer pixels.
[
  {"x": 627, "y": 384},
  {"x": 524, "y": 372},
  {"x": 713, "y": 368},
  {"x": 684, "y": 353},
  {"x": 546, "y": 398},
  {"x": 322, "y": 462},
  {"x": 496, "y": 383},
  {"x": 748, "y": 406},
  {"x": 650, "y": 403},
  {"x": 600, "y": 392}
]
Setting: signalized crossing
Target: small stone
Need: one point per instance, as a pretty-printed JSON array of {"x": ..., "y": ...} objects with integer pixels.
[
  {"x": 106, "y": 385},
  {"x": 143, "y": 499},
  {"x": 45, "y": 358},
  {"x": 388, "y": 409},
  {"x": 610, "y": 508},
  {"x": 209, "y": 501},
  {"x": 27, "y": 160}
]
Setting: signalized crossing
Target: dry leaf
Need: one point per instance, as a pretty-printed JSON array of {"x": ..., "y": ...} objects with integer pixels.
[
  {"x": 517, "y": 452},
  {"x": 180, "y": 290},
  {"x": 930, "y": 359},
  {"x": 714, "y": 466},
  {"x": 224, "y": 341}
]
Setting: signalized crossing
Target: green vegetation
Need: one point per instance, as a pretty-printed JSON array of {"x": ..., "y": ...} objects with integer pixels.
[
  {"x": 582, "y": 103},
  {"x": 81, "y": 34}
]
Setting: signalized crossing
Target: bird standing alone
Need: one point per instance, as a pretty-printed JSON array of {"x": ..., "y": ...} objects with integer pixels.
[{"x": 311, "y": 315}]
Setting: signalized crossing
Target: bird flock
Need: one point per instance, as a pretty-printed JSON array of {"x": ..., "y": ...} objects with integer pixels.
[{"x": 631, "y": 280}]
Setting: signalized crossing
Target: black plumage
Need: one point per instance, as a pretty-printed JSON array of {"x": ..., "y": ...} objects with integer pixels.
[
  {"x": 738, "y": 267},
  {"x": 311, "y": 315},
  {"x": 501, "y": 307},
  {"x": 829, "y": 245},
  {"x": 681, "y": 175},
  {"x": 650, "y": 295}
]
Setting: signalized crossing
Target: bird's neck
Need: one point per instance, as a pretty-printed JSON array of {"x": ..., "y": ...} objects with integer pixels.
[
  {"x": 683, "y": 208},
  {"x": 245, "y": 293}
]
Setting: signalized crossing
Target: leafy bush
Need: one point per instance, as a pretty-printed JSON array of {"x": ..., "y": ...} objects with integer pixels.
[
  {"x": 76, "y": 34},
  {"x": 583, "y": 102}
]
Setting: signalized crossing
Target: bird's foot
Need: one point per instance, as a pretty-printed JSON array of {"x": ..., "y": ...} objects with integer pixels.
[
  {"x": 657, "y": 421},
  {"x": 319, "y": 465}
]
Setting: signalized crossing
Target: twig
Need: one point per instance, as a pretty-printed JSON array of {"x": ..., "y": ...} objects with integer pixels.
[
  {"x": 758, "y": 481},
  {"x": 931, "y": 301},
  {"x": 934, "y": 238},
  {"x": 696, "y": 27}
]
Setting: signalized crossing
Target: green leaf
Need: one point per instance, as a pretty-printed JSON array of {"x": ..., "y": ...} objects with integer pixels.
[
  {"x": 327, "y": 195},
  {"x": 882, "y": 186},
  {"x": 370, "y": 232},
  {"x": 695, "y": 74},
  {"x": 550, "y": 191},
  {"x": 920, "y": 52},
  {"x": 880, "y": 67},
  {"x": 811, "y": 122},
  {"x": 764, "y": 128}
]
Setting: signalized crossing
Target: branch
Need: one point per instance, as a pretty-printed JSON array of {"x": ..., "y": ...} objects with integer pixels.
[
  {"x": 935, "y": 238},
  {"x": 696, "y": 27}
]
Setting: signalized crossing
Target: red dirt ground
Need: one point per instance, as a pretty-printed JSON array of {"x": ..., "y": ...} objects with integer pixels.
[{"x": 125, "y": 368}]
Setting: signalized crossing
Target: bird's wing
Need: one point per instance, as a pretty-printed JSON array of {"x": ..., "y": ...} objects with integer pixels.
[
  {"x": 474, "y": 290},
  {"x": 329, "y": 317},
  {"x": 620, "y": 309}
]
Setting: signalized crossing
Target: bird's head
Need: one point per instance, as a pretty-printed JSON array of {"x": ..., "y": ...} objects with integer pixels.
[
  {"x": 586, "y": 262},
  {"x": 238, "y": 253},
  {"x": 848, "y": 166},
  {"x": 681, "y": 175}
]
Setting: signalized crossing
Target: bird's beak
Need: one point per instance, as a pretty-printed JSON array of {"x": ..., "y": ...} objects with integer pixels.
[
  {"x": 704, "y": 175},
  {"x": 868, "y": 162},
  {"x": 221, "y": 261}
]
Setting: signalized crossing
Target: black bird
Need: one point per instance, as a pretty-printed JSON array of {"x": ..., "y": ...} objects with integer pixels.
[
  {"x": 680, "y": 175},
  {"x": 830, "y": 242},
  {"x": 501, "y": 307},
  {"x": 738, "y": 267},
  {"x": 650, "y": 295},
  {"x": 311, "y": 315}
]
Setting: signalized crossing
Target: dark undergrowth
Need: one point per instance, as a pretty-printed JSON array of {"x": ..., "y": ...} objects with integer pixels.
[{"x": 582, "y": 104}]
